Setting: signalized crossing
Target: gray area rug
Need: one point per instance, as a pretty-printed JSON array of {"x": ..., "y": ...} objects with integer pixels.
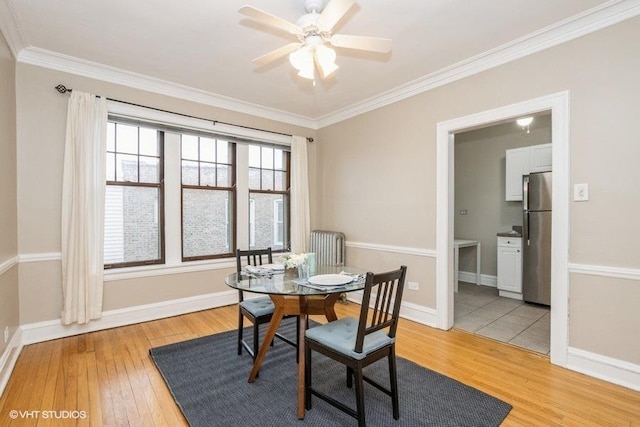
[{"x": 208, "y": 381}]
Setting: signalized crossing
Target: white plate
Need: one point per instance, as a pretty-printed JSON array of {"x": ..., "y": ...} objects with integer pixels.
[{"x": 330, "y": 279}]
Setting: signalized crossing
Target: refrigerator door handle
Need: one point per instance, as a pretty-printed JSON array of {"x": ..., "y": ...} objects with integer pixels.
[
  {"x": 525, "y": 207},
  {"x": 525, "y": 192}
]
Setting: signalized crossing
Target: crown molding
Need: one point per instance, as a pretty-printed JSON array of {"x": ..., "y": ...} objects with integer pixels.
[
  {"x": 10, "y": 28},
  {"x": 592, "y": 20},
  {"x": 72, "y": 65}
]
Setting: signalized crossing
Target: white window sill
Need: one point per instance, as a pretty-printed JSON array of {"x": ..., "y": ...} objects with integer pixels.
[{"x": 166, "y": 269}]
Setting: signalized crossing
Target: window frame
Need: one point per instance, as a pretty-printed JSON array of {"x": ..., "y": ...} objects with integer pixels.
[
  {"x": 286, "y": 199},
  {"x": 278, "y": 205},
  {"x": 232, "y": 189},
  {"x": 159, "y": 185},
  {"x": 173, "y": 124}
]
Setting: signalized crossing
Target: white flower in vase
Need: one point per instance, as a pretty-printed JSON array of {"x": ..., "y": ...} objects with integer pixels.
[{"x": 295, "y": 260}]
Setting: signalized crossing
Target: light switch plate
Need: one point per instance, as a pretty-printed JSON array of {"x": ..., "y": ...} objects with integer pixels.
[{"x": 580, "y": 192}]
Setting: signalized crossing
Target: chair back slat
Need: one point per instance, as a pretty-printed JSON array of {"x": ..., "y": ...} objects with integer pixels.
[
  {"x": 253, "y": 257},
  {"x": 380, "y": 309}
]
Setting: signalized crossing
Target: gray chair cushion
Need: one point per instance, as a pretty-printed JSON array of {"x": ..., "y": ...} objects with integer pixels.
[
  {"x": 340, "y": 336},
  {"x": 258, "y": 306}
]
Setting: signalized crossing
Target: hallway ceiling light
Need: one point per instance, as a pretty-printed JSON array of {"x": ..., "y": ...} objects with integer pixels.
[{"x": 525, "y": 121}]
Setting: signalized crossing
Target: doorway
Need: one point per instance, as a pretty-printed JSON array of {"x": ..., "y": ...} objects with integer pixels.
[
  {"x": 558, "y": 104},
  {"x": 487, "y": 206}
]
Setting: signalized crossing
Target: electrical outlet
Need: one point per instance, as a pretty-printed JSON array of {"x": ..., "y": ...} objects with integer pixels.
[
  {"x": 413, "y": 286},
  {"x": 463, "y": 212},
  {"x": 6, "y": 334}
]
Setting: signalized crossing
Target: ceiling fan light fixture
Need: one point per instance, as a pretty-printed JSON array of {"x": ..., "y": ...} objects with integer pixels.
[
  {"x": 307, "y": 72},
  {"x": 314, "y": 32},
  {"x": 326, "y": 60},
  {"x": 327, "y": 69},
  {"x": 301, "y": 58},
  {"x": 325, "y": 55}
]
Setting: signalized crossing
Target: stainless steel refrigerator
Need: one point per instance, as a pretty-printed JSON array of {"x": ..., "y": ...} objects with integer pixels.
[{"x": 536, "y": 238}]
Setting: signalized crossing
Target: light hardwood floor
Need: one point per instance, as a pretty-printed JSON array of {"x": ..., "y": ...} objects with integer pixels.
[{"x": 110, "y": 376}]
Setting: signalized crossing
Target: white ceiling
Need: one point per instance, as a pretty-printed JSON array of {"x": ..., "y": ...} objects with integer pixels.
[{"x": 206, "y": 47}]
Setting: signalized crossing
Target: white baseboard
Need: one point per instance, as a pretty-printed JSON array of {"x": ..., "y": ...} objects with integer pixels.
[
  {"x": 418, "y": 313},
  {"x": 470, "y": 277},
  {"x": 9, "y": 358},
  {"x": 414, "y": 312},
  {"x": 605, "y": 368},
  {"x": 54, "y": 329}
]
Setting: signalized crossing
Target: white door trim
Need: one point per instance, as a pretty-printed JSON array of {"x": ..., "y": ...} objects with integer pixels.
[{"x": 558, "y": 104}]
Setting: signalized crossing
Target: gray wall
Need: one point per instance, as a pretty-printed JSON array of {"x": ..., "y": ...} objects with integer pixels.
[
  {"x": 378, "y": 177},
  {"x": 9, "y": 316},
  {"x": 480, "y": 186}
]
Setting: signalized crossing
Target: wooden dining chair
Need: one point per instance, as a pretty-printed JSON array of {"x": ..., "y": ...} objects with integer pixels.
[
  {"x": 358, "y": 343},
  {"x": 257, "y": 310}
]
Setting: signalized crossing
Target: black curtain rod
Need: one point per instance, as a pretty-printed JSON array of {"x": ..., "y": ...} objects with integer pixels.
[{"x": 63, "y": 89}]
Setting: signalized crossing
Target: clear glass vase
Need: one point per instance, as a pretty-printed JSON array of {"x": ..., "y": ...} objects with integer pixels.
[{"x": 303, "y": 272}]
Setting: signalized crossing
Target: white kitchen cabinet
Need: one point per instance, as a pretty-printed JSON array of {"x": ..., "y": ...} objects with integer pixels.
[
  {"x": 540, "y": 158},
  {"x": 517, "y": 164},
  {"x": 523, "y": 161},
  {"x": 510, "y": 267}
]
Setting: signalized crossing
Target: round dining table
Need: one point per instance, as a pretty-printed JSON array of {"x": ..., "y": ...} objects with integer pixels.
[{"x": 300, "y": 297}]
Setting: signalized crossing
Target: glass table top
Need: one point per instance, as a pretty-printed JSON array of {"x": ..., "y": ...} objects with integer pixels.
[{"x": 287, "y": 282}]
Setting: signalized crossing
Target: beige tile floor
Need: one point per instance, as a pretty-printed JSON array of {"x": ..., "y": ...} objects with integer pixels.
[{"x": 479, "y": 309}]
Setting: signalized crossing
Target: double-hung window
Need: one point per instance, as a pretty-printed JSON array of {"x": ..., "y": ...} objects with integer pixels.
[
  {"x": 134, "y": 231},
  {"x": 269, "y": 184},
  {"x": 208, "y": 194}
]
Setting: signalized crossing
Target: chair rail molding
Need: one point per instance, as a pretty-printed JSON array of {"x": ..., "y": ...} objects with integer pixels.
[
  {"x": 40, "y": 257},
  {"x": 605, "y": 271},
  {"x": 430, "y": 253},
  {"x": 8, "y": 264}
]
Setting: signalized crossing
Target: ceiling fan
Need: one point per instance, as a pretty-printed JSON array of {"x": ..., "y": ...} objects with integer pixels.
[{"x": 314, "y": 33}]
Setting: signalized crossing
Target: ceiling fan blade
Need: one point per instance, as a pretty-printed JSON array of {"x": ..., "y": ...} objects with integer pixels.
[
  {"x": 275, "y": 54},
  {"x": 269, "y": 19},
  {"x": 373, "y": 44},
  {"x": 333, "y": 13}
]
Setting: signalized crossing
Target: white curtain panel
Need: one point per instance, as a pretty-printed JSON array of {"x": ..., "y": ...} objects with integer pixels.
[
  {"x": 83, "y": 191},
  {"x": 300, "y": 216}
]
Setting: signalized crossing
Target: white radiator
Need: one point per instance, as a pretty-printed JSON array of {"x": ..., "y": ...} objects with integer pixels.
[{"x": 328, "y": 247}]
